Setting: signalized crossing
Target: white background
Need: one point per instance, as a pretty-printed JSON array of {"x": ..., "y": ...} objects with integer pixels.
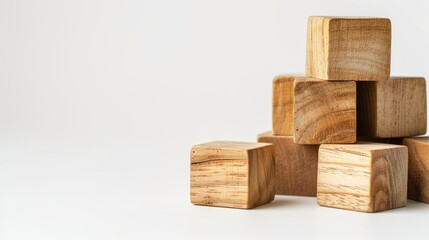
[{"x": 100, "y": 102}]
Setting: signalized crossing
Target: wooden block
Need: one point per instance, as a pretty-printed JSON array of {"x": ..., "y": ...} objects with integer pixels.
[
  {"x": 418, "y": 165},
  {"x": 232, "y": 174},
  {"x": 283, "y": 105},
  {"x": 367, "y": 177},
  {"x": 296, "y": 165},
  {"x": 348, "y": 48},
  {"x": 324, "y": 111},
  {"x": 392, "y": 108}
]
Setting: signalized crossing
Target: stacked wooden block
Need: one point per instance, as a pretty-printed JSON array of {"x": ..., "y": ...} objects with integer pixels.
[{"x": 344, "y": 132}]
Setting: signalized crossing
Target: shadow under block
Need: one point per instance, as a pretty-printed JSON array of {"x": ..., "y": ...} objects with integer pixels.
[
  {"x": 232, "y": 174},
  {"x": 392, "y": 108},
  {"x": 324, "y": 111},
  {"x": 366, "y": 177},
  {"x": 283, "y": 105},
  {"x": 296, "y": 165},
  {"x": 348, "y": 48},
  {"x": 418, "y": 168},
  {"x": 397, "y": 141}
]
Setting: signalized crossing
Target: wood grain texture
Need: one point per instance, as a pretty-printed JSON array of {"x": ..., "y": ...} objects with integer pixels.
[
  {"x": 418, "y": 169},
  {"x": 232, "y": 174},
  {"x": 341, "y": 48},
  {"x": 324, "y": 111},
  {"x": 262, "y": 176},
  {"x": 283, "y": 105},
  {"x": 366, "y": 177},
  {"x": 392, "y": 108},
  {"x": 296, "y": 165}
]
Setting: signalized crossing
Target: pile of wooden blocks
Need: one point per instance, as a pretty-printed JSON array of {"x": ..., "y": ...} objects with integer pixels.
[{"x": 344, "y": 132}]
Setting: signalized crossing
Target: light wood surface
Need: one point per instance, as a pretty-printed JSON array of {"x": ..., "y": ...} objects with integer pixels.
[
  {"x": 232, "y": 174},
  {"x": 341, "y": 48},
  {"x": 367, "y": 177},
  {"x": 283, "y": 105},
  {"x": 392, "y": 108},
  {"x": 324, "y": 111},
  {"x": 418, "y": 169},
  {"x": 296, "y": 165}
]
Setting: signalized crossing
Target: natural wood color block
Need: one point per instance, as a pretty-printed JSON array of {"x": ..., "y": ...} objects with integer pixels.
[
  {"x": 324, "y": 111},
  {"x": 366, "y": 177},
  {"x": 392, "y": 108},
  {"x": 296, "y": 165},
  {"x": 232, "y": 174},
  {"x": 418, "y": 168},
  {"x": 283, "y": 105},
  {"x": 355, "y": 49}
]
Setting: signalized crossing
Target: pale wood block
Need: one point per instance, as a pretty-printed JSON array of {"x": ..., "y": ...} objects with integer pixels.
[
  {"x": 418, "y": 166},
  {"x": 366, "y": 177},
  {"x": 392, "y": 108},
  {"x": 283, "y": 105},
  {"x": 324, "y": 111},
  {"x": 355, "y": 49},
  {"x": 296, "y": 165},
  {"x": 232, "y": 174}
]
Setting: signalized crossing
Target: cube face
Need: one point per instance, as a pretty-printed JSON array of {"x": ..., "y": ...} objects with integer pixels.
[
  {"x": 232, "y": 174},
  {"x": 296, "y": 165},
  {"x": 262, "y": 176},
  {"x": 283, "y": 105},
  {"x": 212, "y": 180},
  {"x": 324, "y": 111},
  {"x": 348, "y": 48},
  {"x": 393, "y": 108},
  {"x": 366, "y": 177},
  {"x": 418, "y": 177}
]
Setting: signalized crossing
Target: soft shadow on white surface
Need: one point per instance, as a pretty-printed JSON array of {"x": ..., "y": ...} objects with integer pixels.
[
  {"x": 112, "y": 194},
  {"x": 92, "y": 203}
]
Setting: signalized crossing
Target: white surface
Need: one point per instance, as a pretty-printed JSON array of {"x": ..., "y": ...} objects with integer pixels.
[{"x": 100, "y": 102}]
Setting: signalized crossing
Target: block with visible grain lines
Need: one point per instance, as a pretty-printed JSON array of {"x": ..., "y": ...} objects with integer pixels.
[
  {"x": 283, "y": 105},
  {"x": 296, "y": 165},
  {"x": 366, "y": 177},
  {"x": 418, "y": 168},
  {"x": 392, "y": 108},
  {"x": 324, "y": 111},
  {"x": 232, "y": 174},
  {"x": 344, "y": 48}
]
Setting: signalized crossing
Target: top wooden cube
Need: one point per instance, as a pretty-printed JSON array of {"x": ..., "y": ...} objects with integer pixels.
[{"x": 348, "y": 48}]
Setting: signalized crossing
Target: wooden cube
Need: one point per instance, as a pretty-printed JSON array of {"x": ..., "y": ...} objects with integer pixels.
[
  {"x": 366, "y": 177},
  {"x": 232, "y": 174},
  {"x": 283, "y": 105},
  {"x": 418, "y": 176},
  {"x": 296, "y": 165},
  {"x": 341, "y": 48},
  {"x": 324, "y": 111},
  {"x": 392, "y": 108}
]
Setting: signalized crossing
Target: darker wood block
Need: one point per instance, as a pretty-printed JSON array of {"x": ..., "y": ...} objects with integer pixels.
[{"x": 296, "y": 165}]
